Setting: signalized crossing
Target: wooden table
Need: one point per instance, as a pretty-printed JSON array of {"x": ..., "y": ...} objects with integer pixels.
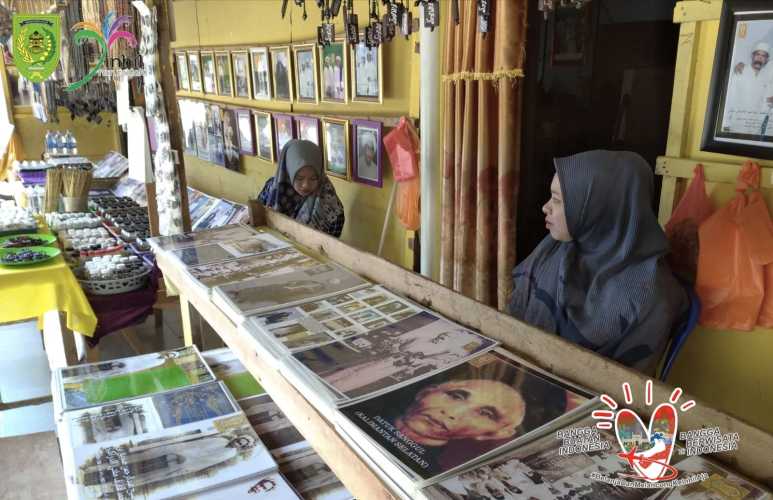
[{"x": 754, "y": 457}]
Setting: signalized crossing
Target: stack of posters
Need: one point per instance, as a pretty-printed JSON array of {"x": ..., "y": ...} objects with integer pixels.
[
  {"x": 314, "y": 323},
  {"x": 208, "y": 253},
  {"x": 224, "y": 234},
  {"x": 269, "y": 487},
  {"x": 96, "y": 384},
  {"x": 220, "y": 213},
  {"x": 228, "y": 369},
  {"x": 386, "y": 357},
  {"x": 239, "y": 300},
  {"x": 433, "y": 428}
]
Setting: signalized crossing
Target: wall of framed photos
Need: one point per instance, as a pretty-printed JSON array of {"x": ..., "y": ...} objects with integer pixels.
[
  {"x": 714, "y": 363},
  {"x": 241, "y": 32}
]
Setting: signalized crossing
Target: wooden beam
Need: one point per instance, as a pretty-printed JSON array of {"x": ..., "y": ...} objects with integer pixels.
[
  {"x": 565, "y": 359},
  {"x": 353, "y": 471},
  {"x": 714, "y": 171},
  {"x": 683, "y": 81},
  {"x": 697, "y": 10}
]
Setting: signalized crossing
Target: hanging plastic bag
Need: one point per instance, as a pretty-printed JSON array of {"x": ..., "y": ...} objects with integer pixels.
[
  {"x": 757, "y": 228},
  {"x": 730, "y": 281},
  {"x": 682, "y": 228},
  {"x": 402, "y": 145}
]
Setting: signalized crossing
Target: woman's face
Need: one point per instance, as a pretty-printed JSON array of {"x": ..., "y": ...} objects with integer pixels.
[
  {"x": 555, "y": 217},
  {"x": 306, "y": 181}
]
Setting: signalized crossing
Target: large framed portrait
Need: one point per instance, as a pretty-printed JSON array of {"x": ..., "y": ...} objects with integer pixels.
[
  {"x": 306, "y": 73},
  {"x": 261, "y": 73},
  {"x": 241, "y": 66},
  {"x": 225, "y": 83},
  {"x": 208, "y": 72},
  {"x": 367, "y": 74},
  {"x": 264, "y": 133},
  {"x": 183, "y": 79},
  {"x": 215, "y": 134},
  {"x": 282, "y": 73},
  {"x": 333, "y": 71},
  {"x": 367, "y": 152},
  {"x": 739, "y": 114},
  {"x": 336, "y": 147},
  {"x": 246, "y": 132},
  {"x": 232, "y": 154},
  {"x": 285, "y": 130},
  {"x": 307, "y": 128},
  {"x": 194, "y": 69}
]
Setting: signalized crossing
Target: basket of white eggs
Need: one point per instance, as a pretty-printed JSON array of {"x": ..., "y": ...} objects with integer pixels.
[{"x": 113, "y": 274}]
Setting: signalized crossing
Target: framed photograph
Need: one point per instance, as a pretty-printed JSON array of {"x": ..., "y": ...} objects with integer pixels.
[
  {"x": 367, "y": 71},
  {"x": 261, "y": 73},
  {"x": 183, "y": 78},
  {"x": 225, "y": 82},
  {"x": 200, "y": 116},
  {"x": 241, "y": 66},
  {"x": 285, "y": 130},
  {"x": 740, "y": 105},
  {"x": 208, "y": 72},
  {"x": 307, "y": 128},
  {"x": 281, "y": 70},
  {"x": 306, "y": 73},
  {"x": 246, "y": 132},
  {"x": 333, "y": 71},
  {"x": 570, "y": 33},
  {"x": 231, "y": 140},
  {"x": 194, "y": 69},
  {"x": 367, "y": 152},
  {"x": 187, "y": 121},
  {"x": 215, "y": 134},
  {"x": 264, "y": 133},
  {"x": 336, "y": 147}
]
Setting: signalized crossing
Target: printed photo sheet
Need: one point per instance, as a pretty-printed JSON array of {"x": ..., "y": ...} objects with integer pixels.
[
  {"x": 337, "y": 317},
  {"x": 95, "y": 384},
  {"x": 269, "y": 487},
  {"x": 391, "y": 355},
  {"x": 313, "y": 479},
  {"x": 465, "y": 413},
  {"x": 275, "y": 430},
  {"x": 174, "y": 463},
  {"x": 139, "y": 416},
  {"x": 721, "y": 483},
  {"x": 258, "y": 243},
  {"x": 231, "y": 232},
  {"x": 282, "y": 261},
  {"x": 272, "y": 292},
  {"x": 228, "y": 369}
]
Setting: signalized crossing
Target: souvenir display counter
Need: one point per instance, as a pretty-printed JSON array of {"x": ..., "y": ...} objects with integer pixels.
[{"x": 558, "y": 357}]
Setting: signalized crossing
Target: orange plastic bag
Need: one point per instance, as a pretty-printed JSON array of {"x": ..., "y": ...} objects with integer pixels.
[
  {"x": 730, "y": 281},
  {"x": 682, "y": 228},
  {"x": 757, "y": 228},
  {"x": 402, "y": 145}
]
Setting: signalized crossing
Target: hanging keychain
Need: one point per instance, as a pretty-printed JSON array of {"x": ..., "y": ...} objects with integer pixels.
[
  {"x": 352, "y": 26},
  {"x": 388, "y": 25},
  {"x": 377, "y": 29},
  {"x": 407, "y": 21},
  {"x": 484, "y": 14}
]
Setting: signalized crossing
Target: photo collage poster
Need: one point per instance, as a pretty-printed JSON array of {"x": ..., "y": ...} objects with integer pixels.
[
  {"x": 226, "y": 233},
  {"x": 229, "y": 370},
  {"x": 392, "y": 355},
  {"x": 440, "y": 423},
  {"x": 337, "y": 317},
  {"x": 258, "y": 243}
]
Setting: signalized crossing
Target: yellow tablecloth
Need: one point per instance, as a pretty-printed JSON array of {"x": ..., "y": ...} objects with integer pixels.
[{"x": 31, "y": 291}]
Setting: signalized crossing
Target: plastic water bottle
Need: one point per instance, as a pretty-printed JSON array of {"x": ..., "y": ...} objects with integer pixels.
[
  {"x": 71, "y": 144},
  {"x": 50, "y": 142}
]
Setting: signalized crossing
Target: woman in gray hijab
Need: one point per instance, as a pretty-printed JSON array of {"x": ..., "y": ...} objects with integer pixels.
[
  {"x": 300, "y": 189},
  {"x": 599, "y": 279}
]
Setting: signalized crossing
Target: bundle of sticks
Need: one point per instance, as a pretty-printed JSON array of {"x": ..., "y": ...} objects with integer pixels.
[
  {"x": 76, "y": 182},
  {"x": 53, "y": 189}
]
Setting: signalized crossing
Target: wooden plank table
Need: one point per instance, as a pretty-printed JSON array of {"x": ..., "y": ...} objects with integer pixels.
[{"x": 754, "y": 457}]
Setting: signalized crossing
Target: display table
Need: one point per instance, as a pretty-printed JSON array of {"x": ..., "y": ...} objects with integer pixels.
[{"x": 551, "y": 352}]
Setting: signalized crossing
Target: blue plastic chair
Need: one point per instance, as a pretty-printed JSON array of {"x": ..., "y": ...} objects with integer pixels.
[{"x": 679, "y": 336}]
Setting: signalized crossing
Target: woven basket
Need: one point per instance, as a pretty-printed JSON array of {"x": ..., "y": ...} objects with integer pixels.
[{"x": 114, "y": 287}]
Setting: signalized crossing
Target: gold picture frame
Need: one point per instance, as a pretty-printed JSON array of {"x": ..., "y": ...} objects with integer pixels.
[
  {"x": 225, "y": 82},
  {"x": 264, "y": 146},
  {"x": 260, "y": 66},
  {"x": 360, "y": 51},
  {"x": 208, "y": 74},
  {"x": 194, "y": 71},
  {"x": 334, "y": 72},
  {"x": 305, "y": 55},
  {"x": 183, "y": 75},
  {"x": 281, "y": 73},
  {"x": 332, "y": 143},
  {"x": 242, "y": 76}
]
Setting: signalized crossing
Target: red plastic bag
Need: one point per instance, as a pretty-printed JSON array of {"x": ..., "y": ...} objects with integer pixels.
[
  {"x": 682, "y": 228},
  {"x": 401, "y": 146},
  {"x": 731, "y": 281}
]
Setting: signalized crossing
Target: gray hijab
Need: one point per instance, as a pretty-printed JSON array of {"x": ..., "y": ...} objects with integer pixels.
[
  {"x": 322, "y": 209},
  {"x": 608, "y": 289}
]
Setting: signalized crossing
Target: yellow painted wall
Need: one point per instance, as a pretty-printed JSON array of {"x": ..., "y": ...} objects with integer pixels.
[
  {"x": 250, "y": 23},
  {"x": 94, "y": 141},
  {"x": 732, "y": 371}
]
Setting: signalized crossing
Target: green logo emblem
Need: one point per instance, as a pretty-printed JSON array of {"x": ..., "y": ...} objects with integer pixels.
[{"x": 36, "y": 45}]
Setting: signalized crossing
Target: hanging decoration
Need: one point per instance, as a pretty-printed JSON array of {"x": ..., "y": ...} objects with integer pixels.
[
  {"x": 431, "y": 13},
  {"x": 484, "y": 15},
  {"x": 546, "y": 6},
  {"x": 374, "y": 32},
  {"x": 352, "y": 26}
]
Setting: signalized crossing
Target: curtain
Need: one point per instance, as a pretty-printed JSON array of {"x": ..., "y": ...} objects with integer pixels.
[{"x": 481, "y": 150}]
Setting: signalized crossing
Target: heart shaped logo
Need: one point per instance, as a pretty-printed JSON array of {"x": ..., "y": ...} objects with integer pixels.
[{"x": 648, "y": 450}]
